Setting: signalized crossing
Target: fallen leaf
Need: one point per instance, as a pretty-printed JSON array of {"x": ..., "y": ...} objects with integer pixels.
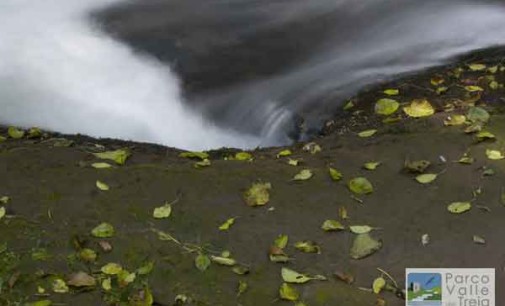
[
  {"x": 493, "y": 69},
  {"x": 459, "y": 207},
  {"x": 440, "y": 90},
  {"x": 494, "y": 85},
  {"x": 104, "y": 230},
  {"x": 2, "y": 212},
  {"x": 289, "y": 293},
  {"x": 242, "y": 287},
  {"x": 243, "y": 156},
  {"x": 81, "y": 279},
  {"x": 5, "y": 200},
  {"x": 308, "y": 247},
  {"x": 102, "y": 186},
  {"x": 478, "y": 115},
  {"x": 107, "y": 284},
  {"x": 335, "y": 174},
  {"x": 240, "y": 270},
  {"x": 455, "y": 119},
  {"x": 477, "y": 67},
  {"x": 105, "y": 245},
  {"x": 360, "y": 185},
  {"x": 59, "y": 286},
  {"x": 291, "y": 276},
  {"x": 87, "y": 255},
  {"x": 437, "y": 80},
  {"x": 111, "y": 268},
  {"x": 378, "y": 284},
  {"x": 223, "y": 260},
  {"x": 465, "y": 159},
  {"x": 198, "y": 155},
  {"x": 146, "y": 268},
  {"x": 425, "y": 239},
  {"x": 293, "y": 162},
  {"x": 367, "y": 133},
  {"x": 312, "y": 147},
  {"x": 478, "y": 239},
  {"x": 332, "y": 225},
  {"x": 34, "y": 132},
  {"x": 202, "y": 164},
  {"x": 15, "y": 133},
  {"x": 227, "y": 224},
  {"x": 202, "y": 262},
  {"x": 162, "y": 211},
  {"x": 494, "y": 154},
  {"x": 474, "y": 88},
  {"x": 392, "y": 92},
  {"x": 485, "y": 135},
  {"x": 303, "y": 175},
  {"x": 258, "y": 194},
  {"x": 345, "y": 277},
  {"x": 284, "y": 153},
  {"x": 426, "y": 178},
  {"x": 386, "y": 106},
  {"x": 118, "y": 156},
  {"x": 40, "y": 303},
  {"x": 348, "y": 105},
  {"x": 342, "y": 213},
  {"x": 101, "y": 165},
  {"x": 419, "y": 108},
  {"x": 360, "y": 229},
  {"x": 282, "y": 241},
  {"x": 418, "y": 166},
  {"x": 364, "y": 245},
  {"x": 371, "y": 165},
  {"x": 124, "y": 278}
]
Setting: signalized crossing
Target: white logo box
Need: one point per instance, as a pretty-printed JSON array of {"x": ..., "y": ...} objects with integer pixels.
[{"x": 450, "y": 287}]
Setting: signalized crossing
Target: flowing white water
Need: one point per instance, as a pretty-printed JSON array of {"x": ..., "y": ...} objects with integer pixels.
[{"x": 60, "y": 73}]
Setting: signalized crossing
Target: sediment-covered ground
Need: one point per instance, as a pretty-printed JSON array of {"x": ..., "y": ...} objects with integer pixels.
[{"x": 157, "y": 228}]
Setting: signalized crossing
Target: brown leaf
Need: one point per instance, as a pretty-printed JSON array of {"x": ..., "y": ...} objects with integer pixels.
[
  {"x": 345, "y": 277},
  {"x": 81, "y": 279},
  {"x": 105, "y": 245}
]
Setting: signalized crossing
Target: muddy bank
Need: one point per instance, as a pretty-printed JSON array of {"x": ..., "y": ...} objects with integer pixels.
[{"x": 54, "y": 203}]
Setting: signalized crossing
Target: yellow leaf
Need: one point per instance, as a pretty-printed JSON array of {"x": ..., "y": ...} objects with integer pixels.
[
  {"x": 386, "y": 106},
  {"x": 102, "y": 186},
  {"x": 360, "y": 185},
  {"x": 455, "y": 119},
  {"x": 162, "y": 211},
  {"x": 2, "y": 212},
  {"x": 227, "y": 224},
  {"x": 104, "y": 230},
  {"x": 494, "y": 154},
  {"x": 284, "y": 153},
  {"x": 378, "y": 284},
  {"x": 360, "y": 229},
  {"x": 367, "y": 133},
  {"x": 291, "y": 276},
  {"x": 258, "y": 194},
  {"x": 419, "y": 108},
  {"x": 107, "y": 284},
  {"x": 437, "y": 81},
  {"x": 59, "y": 286},
  {"x": 243, "y": 156},
  {"x": 371, "y": 165},
  {"x": 281, "y": 241},
  {"x": 223, "y": 260},
  {"x": 197, "y": 155},
  {"x": 289, "y": 293},
  {"x": 303, "y": 175},
  {"x": 426, "y": 178},
  {"x": 111, "y": 269},
  {"x": 459, "y": 207},
  {"x": 477, "y": 67},
  {"x": 392, "y": 92},
  {"x": 293, "y": 162},
  {"x": 202, "y": 164},
  {"x": 335, "y": 174},
  {"x": 332, "y": 225},
  {"x": 307, "y": 247},
  {"x": 473, "y": 88},
  {"x": 15, "y": 132},
  {"x": 101, "y": 165},
  {"x": 484, "y": 135},
  {"x": 118, "y": 156}
]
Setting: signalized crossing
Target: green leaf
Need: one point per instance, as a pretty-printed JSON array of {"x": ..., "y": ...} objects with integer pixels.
[
  {"x": 59, "y": 286},
  {"x": 485, "y": 135},
  {"x": 284, "y": 153},
  {"x": 240, "y": 270},
  {"x": 281, "y": 242},
  {"x": 360, "y": 185},
  {"x": 40, "y": 303},
  {"x": 291, "y": 276},
  {"x": 419, "y": 108},
  {"x": 4, "y": 200},
  {"x": 87, "y": 255},
  {"x": 367, "y": 133},
  {"x": 111, "y": 268},
  {"x": 118, "y": 156},
  {"x": 477, "y": 115},
  {"x": 293, "y": 162},
  {"x": 199, "y": 155},
  {"x": 104, "y": 230},
  {"x": 494, "y": 154},
  {"x": 146, "y": 268},
  {"x": 386, "y": 107},
  {"x": 360, "y": 229},
  {"x": 378, "y": 284},
  {"x": 371, "y": 165},
  {"x": 335, "y": 174},
  {"x": 459, "y": 207},
  {"x": 288, "y": 293},
  {"x": 473, "y": 88},
  {"x": 477, "y": 67},
  {"x": 364, "y": 245},
  {"x": 101, "y": 165},
  {"x": 303, "y": 175},
  {"x": 2, "y": 212},
  {"x": 392, "y": 92},
  {"x": 308, "y": 247},
  {"x": 426, "y": 178},
  {"x": 223, "y": 260},
  {"x": 243, "y": 156},
  {"x": 15, "y": 133},
  {"x": 227, "y": 224},
  {"x": 102, "y": 186},
  {"x": 418, "y": 166},
  {"x": 242, "y": 287},
  {"x": 202, "y": 164},
  {"x": 332, "y": 225},
  {"x": 258, "y": 194},
  {"x": 162, "y": 211}
]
